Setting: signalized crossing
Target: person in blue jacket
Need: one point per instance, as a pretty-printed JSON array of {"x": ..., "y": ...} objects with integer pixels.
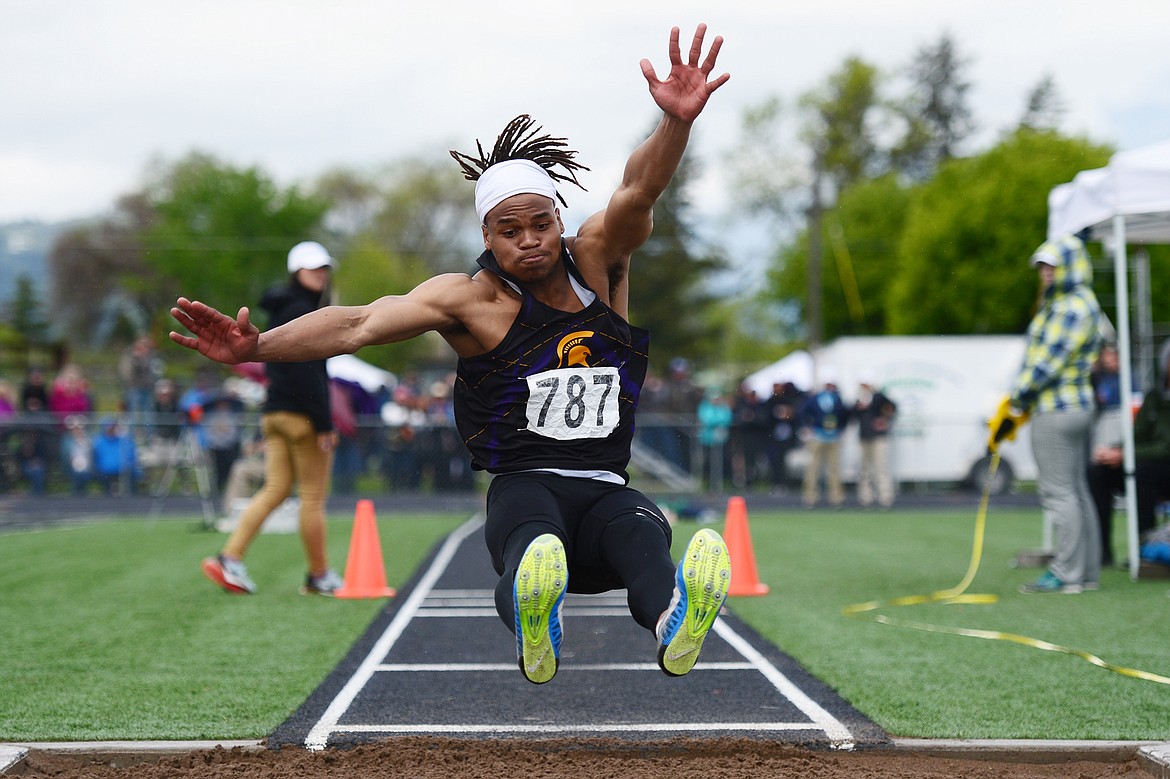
[{"x": 823, "y": 417}]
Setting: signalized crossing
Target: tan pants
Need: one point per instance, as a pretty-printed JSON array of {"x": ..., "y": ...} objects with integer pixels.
[
  {"x": 823, "y": 455},
  {"x": 291, "y": 455},
  {"x": 246, "y": 475},
  {"x": 876, "y": 477}
]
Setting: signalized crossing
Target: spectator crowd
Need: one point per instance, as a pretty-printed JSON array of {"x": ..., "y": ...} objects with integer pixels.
[
  {"x": 54, "y": 438},
  {"x": 61, "y": 435}
]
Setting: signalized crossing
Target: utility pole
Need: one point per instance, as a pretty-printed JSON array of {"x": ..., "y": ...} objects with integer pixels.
[{"x": 816, "y": 326}]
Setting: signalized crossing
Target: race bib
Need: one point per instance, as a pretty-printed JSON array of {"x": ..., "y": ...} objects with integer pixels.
[{"x": 575, "y": 402}]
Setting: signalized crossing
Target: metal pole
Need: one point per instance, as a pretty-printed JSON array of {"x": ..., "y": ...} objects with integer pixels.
[
  {"x": 1121, "y": 280},
  {"x": 1145, "y": 328},
  {"x": 815, "y": 263}
]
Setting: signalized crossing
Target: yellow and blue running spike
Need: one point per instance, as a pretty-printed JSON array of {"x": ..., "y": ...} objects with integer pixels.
[
  {"x": 700, "y": 587},
  {"x": 538, "y": 593}
]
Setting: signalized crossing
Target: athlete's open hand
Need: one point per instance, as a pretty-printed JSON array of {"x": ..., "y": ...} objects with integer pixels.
[
  {"x": 686, "y": 88},
  {"x": 215, "y": 335}
]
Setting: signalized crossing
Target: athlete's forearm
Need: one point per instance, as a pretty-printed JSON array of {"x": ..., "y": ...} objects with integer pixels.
[
  {"x": 653, "y": 164},
  {"x": 317, "y": 335}
]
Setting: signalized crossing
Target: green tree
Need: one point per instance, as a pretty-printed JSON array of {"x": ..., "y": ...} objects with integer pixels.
[
  {"x": 936, "y": 114},
  {"x": 370, "y": 272},
  {"x": 409, "y": 222},
  {"x": 842, "y": 120},
  {"x": 100, "y": 283},
  {"x": 353, "y": 201},
  {"x": 860, "y": 237},
  {"x": 1044, "y": 107},
  {"x": 668, "y": 295},
  {"x": 221, "y": 233},
  {"x": 768, "y": 180},
  {"x": 25, "y": 312},
  {"x": 752, "y": 330},
  {"x": 840, "y": 131},
  {"x": 426, "y": 216},
  {"x": 962, "y": 257}
]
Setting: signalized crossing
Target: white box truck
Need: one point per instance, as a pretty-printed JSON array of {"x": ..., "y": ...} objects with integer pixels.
[{"x": 946, "y": 388}]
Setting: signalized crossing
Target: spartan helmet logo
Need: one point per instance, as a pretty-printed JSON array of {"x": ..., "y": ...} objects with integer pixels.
[{"x": 573, "y": 351}]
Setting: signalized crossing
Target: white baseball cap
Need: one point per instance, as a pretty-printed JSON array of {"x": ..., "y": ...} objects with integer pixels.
[{"x": 308, "y": 255}]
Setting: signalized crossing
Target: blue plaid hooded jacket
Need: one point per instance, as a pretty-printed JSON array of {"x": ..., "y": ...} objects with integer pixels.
[{"x": 1065, "y": 336}]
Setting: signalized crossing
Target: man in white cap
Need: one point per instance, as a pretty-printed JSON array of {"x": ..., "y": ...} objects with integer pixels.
[
  {"x": 296, "y": 424},
  {"x": 549, "y": 376}
]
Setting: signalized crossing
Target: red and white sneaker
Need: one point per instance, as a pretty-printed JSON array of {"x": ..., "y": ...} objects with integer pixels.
[{"x": 231, "y": 575}]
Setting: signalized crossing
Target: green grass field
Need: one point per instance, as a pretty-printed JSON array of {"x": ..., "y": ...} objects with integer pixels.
[
  {"x": 110, "y": 631},
  {"x": 932, "y": 685}
]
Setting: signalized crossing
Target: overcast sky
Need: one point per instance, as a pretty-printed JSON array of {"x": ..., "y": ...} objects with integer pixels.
[{"x": 91, "y": 90}]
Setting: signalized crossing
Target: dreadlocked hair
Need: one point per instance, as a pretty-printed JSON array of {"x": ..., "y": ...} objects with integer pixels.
[{"x": 519, "y": 141}]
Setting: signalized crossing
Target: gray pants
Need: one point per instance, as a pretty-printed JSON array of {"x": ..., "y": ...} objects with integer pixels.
[{"x": 1060, "y": 442}]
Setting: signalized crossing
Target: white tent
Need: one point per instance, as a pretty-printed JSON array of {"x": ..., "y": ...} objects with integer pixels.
[
  {"x": 1135, "y": 185},
  {"x": 351, "y": 368},
  {"x": 797, "y": 368},
  {"x": 1128, "y": 201}
]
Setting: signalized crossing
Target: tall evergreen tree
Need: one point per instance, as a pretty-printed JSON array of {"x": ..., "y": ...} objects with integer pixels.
[
  {"x": 1044, "y": 107},
  {"x": 936, "y": 113},
  {"x": 670, "y": 294},
  {"x": 25, "y": 312}
]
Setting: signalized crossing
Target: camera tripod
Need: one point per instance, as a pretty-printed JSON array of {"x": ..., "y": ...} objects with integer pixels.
[{"x": 187, "y": 453}]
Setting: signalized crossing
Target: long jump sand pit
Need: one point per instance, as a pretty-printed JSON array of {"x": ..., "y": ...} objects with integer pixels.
[{"x": 420, "y": 757}]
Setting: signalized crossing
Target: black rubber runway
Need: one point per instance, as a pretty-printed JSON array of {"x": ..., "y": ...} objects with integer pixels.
[{"x": 438, "y": 660}]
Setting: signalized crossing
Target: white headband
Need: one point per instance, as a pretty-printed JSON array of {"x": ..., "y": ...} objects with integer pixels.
[{"x": 508, "y": 178}]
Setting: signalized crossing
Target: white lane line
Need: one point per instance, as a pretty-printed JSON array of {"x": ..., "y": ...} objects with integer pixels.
[
  {"x": 836, "y": 731},
  {"x": 650, "y": 727},
  {"x": 487, "y": 598},
  {"x": 482, "y": 603},
  {"x": 318, "y": 736},
  {"x": 464, "y": 611},
  {"x": 319, "y": 733},
  {"x": 511, "y": 667}
]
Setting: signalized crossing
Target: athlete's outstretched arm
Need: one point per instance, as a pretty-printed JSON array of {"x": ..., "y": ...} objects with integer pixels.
[
  {"x": 682, "y": 95},
  {"x": 433, "y": 305}
]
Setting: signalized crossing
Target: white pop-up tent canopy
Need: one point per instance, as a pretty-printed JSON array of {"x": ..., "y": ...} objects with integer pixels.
[
  {"x": 1134, "y": 185},
  {"x": 1128, "y": 201},
  {"x": 350, "y": 368},
  {"x": 797, "y": 368}
]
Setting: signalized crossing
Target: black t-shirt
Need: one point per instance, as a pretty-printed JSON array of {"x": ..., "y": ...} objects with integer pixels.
[{"x": 298, "y": 387}]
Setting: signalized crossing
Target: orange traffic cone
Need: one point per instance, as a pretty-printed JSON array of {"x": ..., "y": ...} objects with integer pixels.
[
  {"x": 365, "y": 573},
  {"x": 744, "y": 578}
]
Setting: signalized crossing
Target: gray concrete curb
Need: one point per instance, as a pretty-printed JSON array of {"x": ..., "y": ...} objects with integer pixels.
[
  {"x": 1156, "y": 760},
  {"x": 11, "y": 757}
]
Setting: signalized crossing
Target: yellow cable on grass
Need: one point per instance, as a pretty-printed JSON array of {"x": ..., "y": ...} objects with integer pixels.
[
  {"x": 955, "y": 594},
  {"x": 1026, "y": 641},
  {"x": 958, "y": 594}
]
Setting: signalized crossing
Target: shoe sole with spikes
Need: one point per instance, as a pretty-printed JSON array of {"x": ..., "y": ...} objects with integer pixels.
[
  {"x": 539, "y": 594},
  {"x": 700, "y": 587}
]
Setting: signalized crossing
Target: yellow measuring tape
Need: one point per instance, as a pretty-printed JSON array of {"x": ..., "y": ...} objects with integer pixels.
[{"x": 958, "y": 594}]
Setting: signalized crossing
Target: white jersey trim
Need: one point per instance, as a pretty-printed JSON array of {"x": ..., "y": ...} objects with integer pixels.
[{"x": 605, "y": 476}]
